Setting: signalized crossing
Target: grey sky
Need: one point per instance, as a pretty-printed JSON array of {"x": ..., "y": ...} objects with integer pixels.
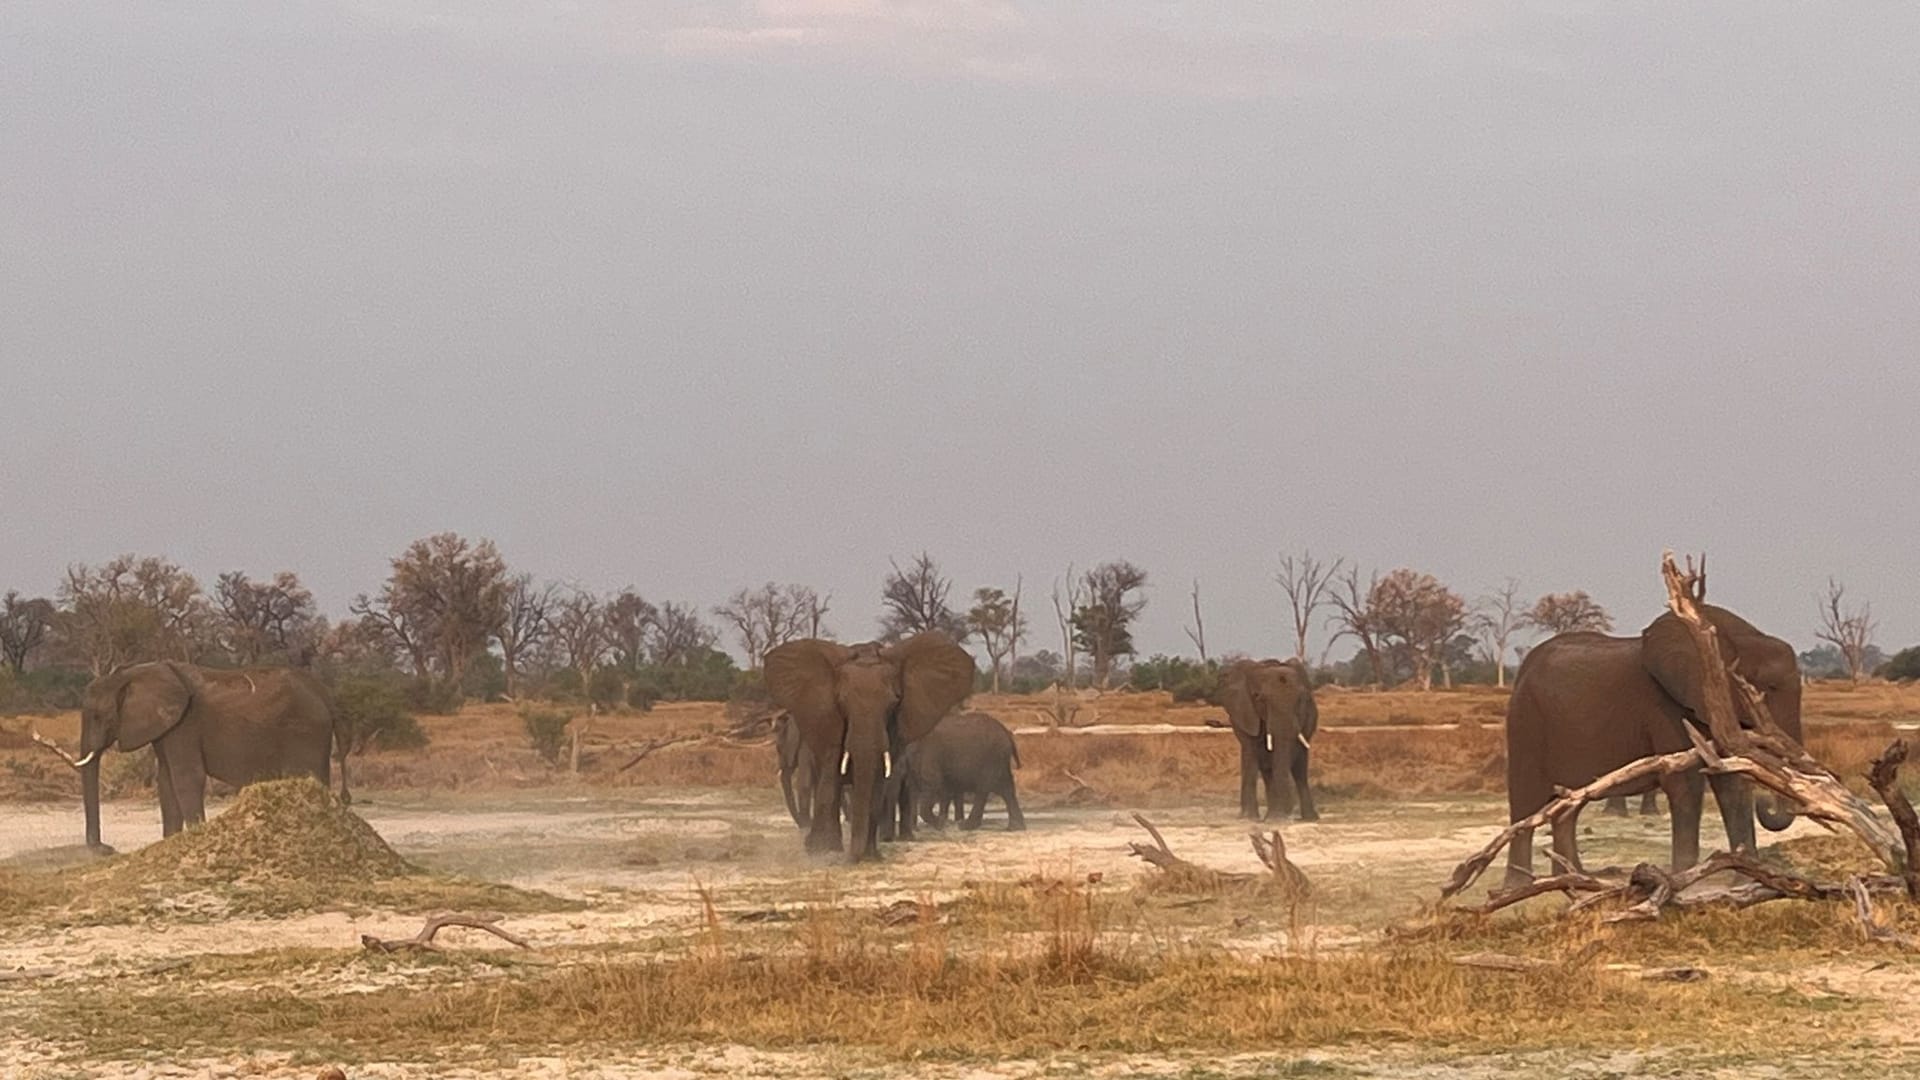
[{"x": 693, "y": 295}]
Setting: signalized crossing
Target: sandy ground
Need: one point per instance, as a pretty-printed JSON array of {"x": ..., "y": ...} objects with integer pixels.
[{"x": 641, "y": 860}]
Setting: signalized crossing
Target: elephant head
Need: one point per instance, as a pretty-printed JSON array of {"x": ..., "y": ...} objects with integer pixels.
[
  {"x": 1670, "y": 656},
  {"x": 129, "y": 709},
  {"x": 1271, "y": 703},
  {"x": 856, "y": 706}
]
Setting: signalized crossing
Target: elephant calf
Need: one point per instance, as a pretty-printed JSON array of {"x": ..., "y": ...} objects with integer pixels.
[{"x": 969, "y": 754}]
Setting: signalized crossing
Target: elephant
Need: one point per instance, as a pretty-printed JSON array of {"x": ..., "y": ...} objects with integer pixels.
[
  {"x": 796, "y": 770},
  {"x": 858, "y": 708},
  {"x": 1585, "y": 703},
  {"x": 236, "y": 726},
  {"x": 966, "y": 754},
  {"x": 1270, "y": 704}
]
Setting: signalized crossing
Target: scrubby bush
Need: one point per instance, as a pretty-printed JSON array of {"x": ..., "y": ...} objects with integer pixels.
[
  {"x": 1186, "y": 680},
  {"x": 41, "y": 690},
  {"x": 547, "y": 731},
  {"x": 1903, "y": 666},
  {"x": 373, "y": 711},
  {"x": 607, "y": 688}
]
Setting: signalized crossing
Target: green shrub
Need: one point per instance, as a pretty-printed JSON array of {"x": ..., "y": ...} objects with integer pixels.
[
  {"x": 608, "y": 688},
  {"x": 373, "y": 711},
  {"x": 547, "y": 731},
  {"x": 436, "y": 698}
]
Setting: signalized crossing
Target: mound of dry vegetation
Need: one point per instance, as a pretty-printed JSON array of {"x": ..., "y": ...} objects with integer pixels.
[{"x": 284, "y": 846}]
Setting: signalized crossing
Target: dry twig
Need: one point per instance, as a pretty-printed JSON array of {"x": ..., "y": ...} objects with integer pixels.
[
  {"x": 656, "y": 744},
  {"x": 423, "y": 941}
]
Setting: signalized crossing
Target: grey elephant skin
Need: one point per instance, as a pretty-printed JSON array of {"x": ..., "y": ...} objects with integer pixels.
[
  {"x": 235, "y": 726},
  {"x": 1270, "y": 704},
  {"x": 1584, "y": 704},
  {"x": 965, "y": 754},
  {"x": 858, "y": 708}
]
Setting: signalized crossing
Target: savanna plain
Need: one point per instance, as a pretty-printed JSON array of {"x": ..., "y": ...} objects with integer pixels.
[{"x": 675, "y": 927}]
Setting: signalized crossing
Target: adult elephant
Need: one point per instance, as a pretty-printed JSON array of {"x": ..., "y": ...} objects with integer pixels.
[
  {"x": 1270, "y": 703},
  {"x": 796, "y": 770},
  {"x": 858, "y": 707},
  {"x": 967, "y": 754},
  {"x": 1584, "y": 704},
  {"x": 234, "y": 726}
]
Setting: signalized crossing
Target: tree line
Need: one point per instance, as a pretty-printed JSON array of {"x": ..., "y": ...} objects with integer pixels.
[{"x": 454, "y": 622}]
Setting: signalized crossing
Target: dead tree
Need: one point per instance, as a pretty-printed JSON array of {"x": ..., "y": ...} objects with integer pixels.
[
  {"x": 423, "y": 941},
  {"x": 1197, "y": 633},
  {"x": 1848, "y": 629},
  {"x": 1307, "y": 582}
]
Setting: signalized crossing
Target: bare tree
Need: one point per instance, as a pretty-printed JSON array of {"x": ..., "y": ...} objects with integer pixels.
[
  {"x": 1849, "y": 629},
  {"x": 1496, "y": 618},
  {"x": 1420, "y": 613},
  {"x": 525, "y": 624},
  {"x": 1307, "y": 582},
  {"x": 262, "y": 620},
  {"x": 579, "y": 622},
  {"x": 1567, "y": 613},
  {"x": 441, "y": 605},
  {"x": 1103, "y": 625},
  {"x": 131, "y": 609},
  {"x": 770, "y": 616},
  {"x": 1197, "y": 633},
  {"x": 630, "y": 623},
  {"x": 1067, "y": 594},
  {"x": 914, "y": 601},
  {"x": 678, "y": 633},
  {"x": 996, "y": 620},
  {"x": 23, "y": 628},
  {"x": 816, "y": 614},
  {"x": 1354, "y": 617}
]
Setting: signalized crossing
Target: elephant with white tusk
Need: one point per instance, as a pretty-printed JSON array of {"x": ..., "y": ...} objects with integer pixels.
[
  {"x": 1270, "y": 704},
  {"x": 234, "y": 726},
  {"x": 857, "y": 708}
]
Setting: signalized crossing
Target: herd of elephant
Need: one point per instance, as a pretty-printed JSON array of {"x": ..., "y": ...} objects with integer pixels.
[{"x": 869, "y": 733}]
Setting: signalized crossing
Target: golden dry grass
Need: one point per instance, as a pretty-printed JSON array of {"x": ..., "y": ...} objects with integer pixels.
[{"x": 916, "y": 991}]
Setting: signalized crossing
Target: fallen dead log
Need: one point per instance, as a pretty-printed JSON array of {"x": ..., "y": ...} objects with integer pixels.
[
  {"x": 1271, "y": 850},
  {"x": 1870, "y": 923},
  {"x": 1885, "y": 778},
  {"x": 656, "y": 744},
  {"x": 423, "y": 941},
  {"x": 1161, "y": 857}
]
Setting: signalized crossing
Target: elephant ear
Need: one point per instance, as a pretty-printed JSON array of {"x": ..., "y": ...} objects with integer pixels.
[
  {"x": 153, "y": 699},
  {"x": 935, "y": 675},
  {"x": 1306, "y": 711},
  {"x": 800, "y": 679},
  {"x": 1237, "y": 699},
  {"x": 1669, "y": 655}
]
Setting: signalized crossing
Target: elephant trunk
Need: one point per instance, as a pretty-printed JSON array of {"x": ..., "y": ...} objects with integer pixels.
[
  {"x": 90, "y": 793},
  {"x": 1772, "y": 812},
  {"x": 864, "y": 770}
]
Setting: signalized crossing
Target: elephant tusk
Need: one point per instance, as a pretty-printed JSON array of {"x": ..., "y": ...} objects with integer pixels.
[
  {"x": 86, "y": 761},
  {"x": 844, "y": 758},
  {"x": 886, "y": 759},
  {"x": 1269, "y": 742},
  {"x": 1304, "y": 742}
]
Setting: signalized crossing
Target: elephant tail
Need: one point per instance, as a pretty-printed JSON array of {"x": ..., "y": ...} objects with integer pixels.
[{"x": 1014, "y": 745}]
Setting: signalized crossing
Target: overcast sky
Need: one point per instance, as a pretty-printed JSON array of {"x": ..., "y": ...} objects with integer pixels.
[{"x": 694, "y": 295}]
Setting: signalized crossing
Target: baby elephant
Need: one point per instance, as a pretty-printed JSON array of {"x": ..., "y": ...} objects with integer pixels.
[{"x": 969, "y": 754}]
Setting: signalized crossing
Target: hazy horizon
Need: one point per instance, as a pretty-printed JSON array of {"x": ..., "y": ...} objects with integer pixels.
[{"x": 689, "y": 297}]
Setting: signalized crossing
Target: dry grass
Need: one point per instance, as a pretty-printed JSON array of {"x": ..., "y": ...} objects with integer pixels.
[{"x": 834, "y": 979}]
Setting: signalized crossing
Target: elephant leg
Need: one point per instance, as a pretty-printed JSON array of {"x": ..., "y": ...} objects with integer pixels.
[
  {"x": 1616, "y": 806},
  {"x": 803, "y": 785},
  {"x": 1249, "y": 776},
  {"x": 1735, "y": 798},
  {"x": 1016, "y": 821},
  {"x": 188, "y": 776},
  {"x": 1686, "y": 795},
  {"x": 1307, "y": 811},
  {"x": 977, "y": 812},
  {"x": 1520, "y": 859},
  {"x": 824, "y": 834},
  {"x": 889, "y": 798},
  {"x": 169, "y": 805},
  {"x": 1650, "y": 804},
  {"x": 1566, "y": 842}
]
